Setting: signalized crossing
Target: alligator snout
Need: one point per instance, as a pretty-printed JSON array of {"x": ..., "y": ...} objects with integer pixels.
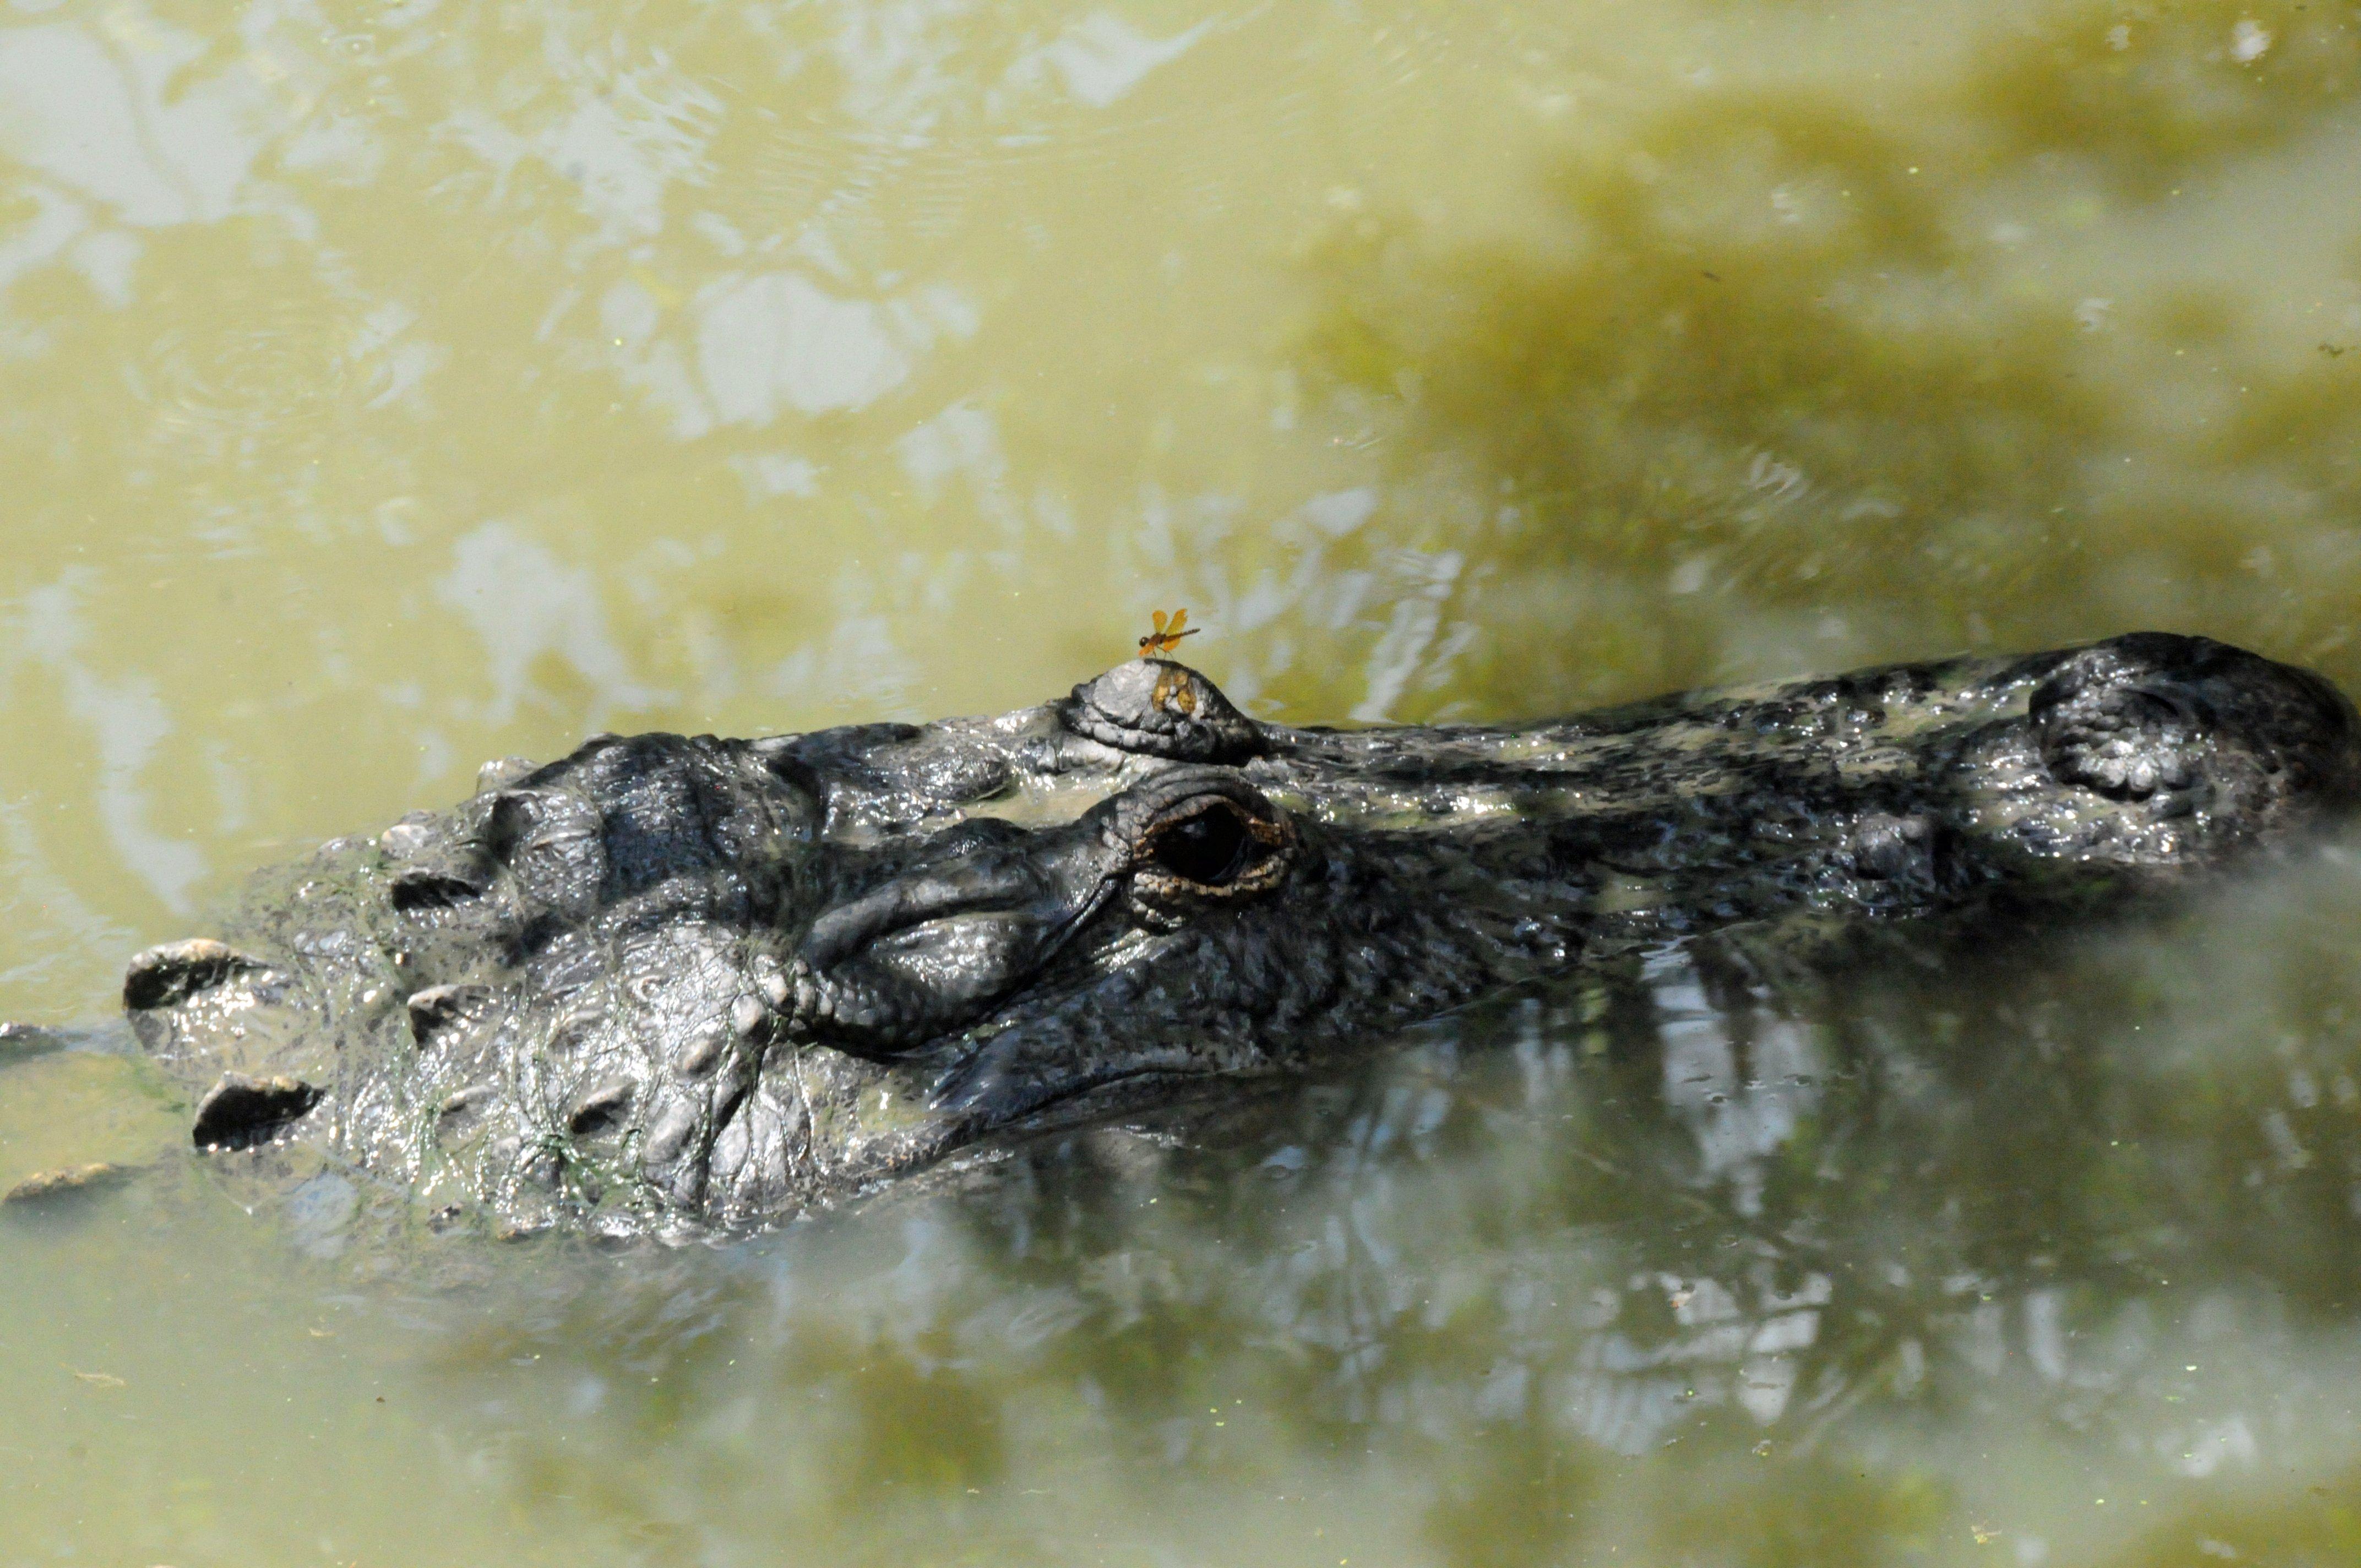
[{"x": 2198, "y": 725}]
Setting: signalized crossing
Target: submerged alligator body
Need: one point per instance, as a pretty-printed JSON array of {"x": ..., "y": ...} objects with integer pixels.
[{"x": 672, "y": 984}]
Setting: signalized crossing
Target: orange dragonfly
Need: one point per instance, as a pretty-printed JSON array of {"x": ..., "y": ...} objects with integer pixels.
[{"x": 1167, "y": 635}]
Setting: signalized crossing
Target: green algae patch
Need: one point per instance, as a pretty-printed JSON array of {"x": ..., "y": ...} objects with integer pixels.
[
  {"x": 1756, "y": 377},
  {"x": 1776, "y": 380},
  {"x": 2312, "y": 1525},
  {"x": 2157, "y": 91}
]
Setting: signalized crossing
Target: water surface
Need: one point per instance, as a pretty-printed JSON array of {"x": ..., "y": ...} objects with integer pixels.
[{"x": 386, "y": 387}]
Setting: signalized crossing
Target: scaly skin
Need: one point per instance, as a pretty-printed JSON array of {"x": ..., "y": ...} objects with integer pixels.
[{"x": 670, "y": 984}]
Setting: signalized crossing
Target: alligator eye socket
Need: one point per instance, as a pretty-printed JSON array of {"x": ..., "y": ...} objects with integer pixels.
[{"x": 1209, "y": 849}]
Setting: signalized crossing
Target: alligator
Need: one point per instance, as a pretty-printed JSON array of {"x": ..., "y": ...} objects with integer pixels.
[{"x": 682, "y": 985}]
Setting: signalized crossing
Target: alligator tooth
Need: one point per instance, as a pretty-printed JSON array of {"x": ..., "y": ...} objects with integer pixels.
[
  {"x": 18, "y": 1042},
  {"x": 406, "y": 838},
  {"x": 426, "y": 889},
  {"x": 729, "y": 1097},
  {"x": 761, "y": 1182},
  {"x": 239, "y": 1111},
  {"x": 600, "y": 1107},
  {"x": 50, "y": 1184},
  {"x": 502, "y": 771},
  {"x": 576, "y": 1024},
  {"x": 669, "y": 1132},
  {"x": 177, "y": 970},
  {"x": 776, "y": 989},
  {"x": 747, "y": 1016},
  {"x": 703, "y": 1049},
  {"x": 439, "y": 1006}
]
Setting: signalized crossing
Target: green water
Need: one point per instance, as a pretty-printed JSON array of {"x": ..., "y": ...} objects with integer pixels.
[{"x": 385, "y": 386}]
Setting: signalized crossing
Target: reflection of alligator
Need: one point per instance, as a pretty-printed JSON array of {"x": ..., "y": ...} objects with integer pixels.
[{"x": 668, "y": 982}]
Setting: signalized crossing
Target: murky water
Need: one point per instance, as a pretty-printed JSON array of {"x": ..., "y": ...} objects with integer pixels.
[{"x": 389, "y": 386}]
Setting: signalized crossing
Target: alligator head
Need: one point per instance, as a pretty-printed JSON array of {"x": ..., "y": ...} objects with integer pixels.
[{"x": 671, "y": 982}]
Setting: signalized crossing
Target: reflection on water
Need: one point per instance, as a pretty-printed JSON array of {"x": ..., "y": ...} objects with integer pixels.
[
  {"x": 386, "y": 385},
  {"x": 1713, "y": 1257}
]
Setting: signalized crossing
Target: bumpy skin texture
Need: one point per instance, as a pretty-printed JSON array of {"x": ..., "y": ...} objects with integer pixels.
[{"x": 671, "y": 984}]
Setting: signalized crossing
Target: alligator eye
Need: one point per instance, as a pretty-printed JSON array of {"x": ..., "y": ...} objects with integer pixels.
[
  {"x": 1209, "y": 847},
  {"x": 1199, "y": 849}
]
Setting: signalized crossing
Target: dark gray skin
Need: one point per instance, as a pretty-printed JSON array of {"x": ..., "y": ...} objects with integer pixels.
[{"x": 674, "y": 984}]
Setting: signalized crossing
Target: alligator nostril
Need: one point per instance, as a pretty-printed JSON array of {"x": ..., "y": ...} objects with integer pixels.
[{"x": 2102, "y": 728}]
